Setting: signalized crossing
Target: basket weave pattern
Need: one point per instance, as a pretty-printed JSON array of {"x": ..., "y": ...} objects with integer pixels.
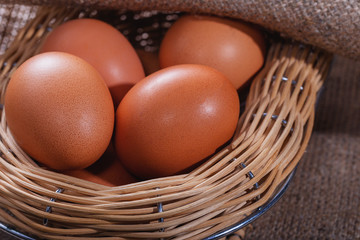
[{"x": 271, "y": 138}]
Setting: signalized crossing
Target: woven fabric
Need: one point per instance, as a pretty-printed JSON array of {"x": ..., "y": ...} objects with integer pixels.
[
  {"x": 332, "y": 25},
  {"x": 323, "y": 199}
]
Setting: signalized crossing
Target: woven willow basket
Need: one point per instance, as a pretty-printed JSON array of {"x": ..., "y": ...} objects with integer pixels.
[{"x": 272, "y": 135}]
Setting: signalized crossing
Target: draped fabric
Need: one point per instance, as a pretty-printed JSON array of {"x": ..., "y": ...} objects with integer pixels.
[{"x": 332, "y": 25}]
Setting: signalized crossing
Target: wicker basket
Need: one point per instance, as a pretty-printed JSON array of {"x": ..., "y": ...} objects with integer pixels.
[{"x": 272, "y": 135}]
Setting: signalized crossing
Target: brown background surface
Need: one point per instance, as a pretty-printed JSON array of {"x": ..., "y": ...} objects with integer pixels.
[{"x": 323, "y": 199}]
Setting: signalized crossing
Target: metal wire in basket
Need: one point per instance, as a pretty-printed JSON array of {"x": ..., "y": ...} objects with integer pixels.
[
  {"x": 218, "y": 235},
  {"x": 272, "y": 135}
]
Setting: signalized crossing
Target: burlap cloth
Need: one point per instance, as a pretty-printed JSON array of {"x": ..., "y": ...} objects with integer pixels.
[
  {"x": 323, "y": 199},
  {"x": 331, "y": 24}
]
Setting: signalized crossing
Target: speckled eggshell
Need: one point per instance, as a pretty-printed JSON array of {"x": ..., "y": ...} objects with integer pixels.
[
  {"x": 175, "y": 118},
  {"x": 59, "y": 110},
  {"x": 104, "y": 47},
  {"x": 235, "y": 48}
]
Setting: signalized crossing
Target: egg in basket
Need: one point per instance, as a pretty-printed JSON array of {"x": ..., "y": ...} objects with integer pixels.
[{"x": 150, "y": 132}]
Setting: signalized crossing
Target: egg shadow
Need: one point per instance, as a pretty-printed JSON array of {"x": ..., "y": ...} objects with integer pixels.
[{"x": 118, "y": 92}]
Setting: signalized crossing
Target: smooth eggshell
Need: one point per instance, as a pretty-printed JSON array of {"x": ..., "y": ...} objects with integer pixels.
[
  {"x": 235, "y": 48},
  {"x": 104, "y": 47},
  {"x": 175, "y": 118},
  {"x": 59, "y": 110}
]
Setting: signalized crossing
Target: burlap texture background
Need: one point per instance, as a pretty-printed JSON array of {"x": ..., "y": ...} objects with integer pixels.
[
  {"x": 323, "y": 199},
  {"x": 330, "y": 24}
]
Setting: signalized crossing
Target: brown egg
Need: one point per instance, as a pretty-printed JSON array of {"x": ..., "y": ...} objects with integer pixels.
[
  {"x": 88, "y": 176},
  {"x": 107, "y": 171},
  {"x": 59, "y": 110},
  {"x": 233, "y": 47},
  {"x": 104, "y": 47},
  {"x": 175, "y": 118},
  {"x": 149, "y": 60}
]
